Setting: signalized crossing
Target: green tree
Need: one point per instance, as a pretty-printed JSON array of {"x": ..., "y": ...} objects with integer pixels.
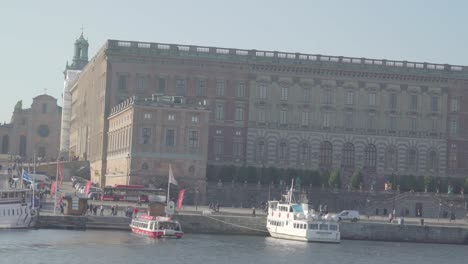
[
  {"x": 428, "y": 183},
  {"x": 334, "y": 180},
  {"x": 356, "y": 179}
]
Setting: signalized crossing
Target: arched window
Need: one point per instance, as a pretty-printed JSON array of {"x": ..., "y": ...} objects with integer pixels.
[
  {"x": 304, "y": 151},
  {"x": 370, "y": 156},
  {"x": 348, "y": 155},
  {"x": 432, "y": 161},
  {"x": 282, "y": 151},
  {"x": 412, "y": 159},
  {"x": 260, "y": 151},
  {"x": 326, "y": 153},
  {"x": 391, "y": 158}
]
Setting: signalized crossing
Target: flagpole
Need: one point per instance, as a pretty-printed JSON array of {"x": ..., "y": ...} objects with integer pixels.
[
  {"x": 56, "y": 188},
  {"x": 168, "y": 188}
]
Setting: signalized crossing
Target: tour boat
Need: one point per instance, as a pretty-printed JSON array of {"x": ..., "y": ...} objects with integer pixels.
[
  {"x": 17, "y": 209},
  {"x": 156, "y": 226},
  {"x": 289, "y": 220}
]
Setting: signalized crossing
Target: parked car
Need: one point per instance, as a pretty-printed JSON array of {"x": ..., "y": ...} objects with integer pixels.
[
  {"x": 350, "y": 215},
  {"x": 94, "y": 195}
]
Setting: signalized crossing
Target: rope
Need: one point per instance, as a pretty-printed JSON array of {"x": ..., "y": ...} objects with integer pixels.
[{"x": 245, "y": 227}]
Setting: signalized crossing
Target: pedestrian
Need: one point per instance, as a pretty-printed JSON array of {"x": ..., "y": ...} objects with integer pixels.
[
  {"x": 102, "y": 210},
  {"x": 112, "y": 210},
  {"x": 253, "y": 211},
  {"x": 116, "y": 210},
  {"x": 95, "y": 210}
]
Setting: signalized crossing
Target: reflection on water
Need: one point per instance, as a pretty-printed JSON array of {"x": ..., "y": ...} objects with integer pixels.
[{"x": 60, "y": 246}]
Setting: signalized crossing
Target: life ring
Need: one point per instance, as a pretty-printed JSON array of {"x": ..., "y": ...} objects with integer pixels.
[{"x": 33, "y": 211}]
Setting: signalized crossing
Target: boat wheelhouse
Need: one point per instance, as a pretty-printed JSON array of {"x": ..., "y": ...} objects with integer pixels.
[
  {"x": 156, "y": 226},
  {"x": 16, "y": 209}
]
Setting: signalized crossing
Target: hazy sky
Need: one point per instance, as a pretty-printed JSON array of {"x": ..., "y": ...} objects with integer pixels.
[{"x": 37, "y": 36}]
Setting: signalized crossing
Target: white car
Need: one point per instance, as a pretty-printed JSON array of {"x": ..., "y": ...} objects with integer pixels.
[{"x": 350, "y": 215}]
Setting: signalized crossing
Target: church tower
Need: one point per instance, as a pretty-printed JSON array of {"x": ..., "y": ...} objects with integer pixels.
[{"x": 80, "y": 57}]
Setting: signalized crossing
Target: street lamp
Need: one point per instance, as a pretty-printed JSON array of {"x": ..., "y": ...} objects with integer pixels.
[{"x": 128, "y": 169}]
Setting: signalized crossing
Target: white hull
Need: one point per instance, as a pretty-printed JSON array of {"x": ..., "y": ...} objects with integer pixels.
[
  {"x": 328, "y": 238},
  {"x": 16, "y": 216}
]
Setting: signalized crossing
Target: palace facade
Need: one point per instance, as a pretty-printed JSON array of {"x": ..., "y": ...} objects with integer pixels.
[{"x": 270, "y": 108}]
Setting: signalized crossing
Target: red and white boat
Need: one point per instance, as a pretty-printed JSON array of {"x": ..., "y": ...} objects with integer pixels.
[{"x": 156, "y": 226}]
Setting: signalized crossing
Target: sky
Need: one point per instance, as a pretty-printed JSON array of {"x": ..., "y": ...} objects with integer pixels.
[{"x": 37, "y": 36}]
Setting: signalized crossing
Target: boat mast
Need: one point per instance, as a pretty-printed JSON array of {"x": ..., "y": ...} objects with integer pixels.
[
  {"x": 168, "y": 188},
  {"x": 56, "y": 186},
  {"x": 290, "y": 192},
  {"x": 33, "y": 181}
]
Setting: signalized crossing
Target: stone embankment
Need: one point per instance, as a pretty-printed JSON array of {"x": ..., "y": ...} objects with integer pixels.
[{"x": 248, "y": 225}]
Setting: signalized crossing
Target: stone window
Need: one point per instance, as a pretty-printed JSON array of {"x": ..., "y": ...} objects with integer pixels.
[
  {"x": 328, "y": 97},
  {"x": 194, "y": 119},
  {"x": 240, "y": 89},
  {"x": 393, "y": 101},
  {"x": 348, "y": 120},
  {"x": 348, "y": 155},
  {"x": 261, "y": 115},
  {"x": 239, "y": 114},
  {"x": 391, "y": 158},
  {"x": 371, "y": 99},
  {"x": 349, "y": 98},
  {"x": 453, "y": 157},
  {"x": 262, "y": 92},
  {"x": 220, "y": 87},
  {"x": 326, "y": 119},
  {"x": 219, "y": 112},
  {"x": 304, "y": 152},
  {"x": 122, "y": 82},
  {"x": 146, "y": 135},
  {"x": 307, "y": 94},
  {"x": 142, "y": 83},
  {"x": 454, "y": 126},
  {"x": 326, "y": 154},
  {"x": 181, "y": 87},
  {"x": 283, "y": 117},
  {"x": 171, "y": 117},
  {"x": 260, "y": 151},
  {"x": 371, "y": 121},
  {"x": 147, "y": 116},
  {"x": 413, "y": 102},
  {"x": 305, "y": 118},
  {"x": 432, "y": 161},
  {"x": 218, "y": 148},
  {"x": 412, "y": 160},
  {"x": 284, "y": 93},
  {"x": 454, "y": 105},
  {"x": 413, "y": 123},
  {"x": 435, "y": 104},
  {"x": 162, "y": 86},
  {"x": 370, "y": 156},
  {"x": 170, "y": 138},
  {"x": 201, "y": 88},
  {"x": 282, "y": 150},
  {"x": 193, "y": 138},
  {"x": 237, "y": 149}
]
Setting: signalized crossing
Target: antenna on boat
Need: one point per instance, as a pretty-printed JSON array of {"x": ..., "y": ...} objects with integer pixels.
[{"x": 291, "y": 192}]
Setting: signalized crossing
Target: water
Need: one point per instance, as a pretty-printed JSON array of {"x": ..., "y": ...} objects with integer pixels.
[{"x": 62, "y": 246}]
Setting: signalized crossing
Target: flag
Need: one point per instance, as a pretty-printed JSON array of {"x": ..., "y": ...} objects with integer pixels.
[
  {"x": 171, "y": 176},
  {"x": 60, "y": 172},
  {"x": 52, "y": 188},
  {"x": 26, "y": 177},
  {"x": 180, "y": 199}
]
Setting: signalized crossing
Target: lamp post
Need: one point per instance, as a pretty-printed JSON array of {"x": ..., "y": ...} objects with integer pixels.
[
  {"x": 128, "y": 169},
  {"x": 196, "y": 198}
]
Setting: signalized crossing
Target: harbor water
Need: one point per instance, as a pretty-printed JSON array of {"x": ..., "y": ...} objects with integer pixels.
[{"x": 70, "y": 247}]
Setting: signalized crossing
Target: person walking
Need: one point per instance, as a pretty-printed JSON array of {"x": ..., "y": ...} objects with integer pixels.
[
  {"x": 101, "y": 210},
  {"x": 253, "y": 211}
]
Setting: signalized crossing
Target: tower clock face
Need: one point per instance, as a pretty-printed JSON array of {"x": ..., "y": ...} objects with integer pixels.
[{"x": 43, "y": 131}]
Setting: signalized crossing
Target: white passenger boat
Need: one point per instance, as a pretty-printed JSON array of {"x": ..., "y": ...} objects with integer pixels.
[
  {"x": 289, "y": 220},
  {"x": 16, "y": 209},
  {"x": 156, "y": 226}
]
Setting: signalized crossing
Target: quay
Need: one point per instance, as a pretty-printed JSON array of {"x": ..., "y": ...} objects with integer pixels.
[{"x": 244, "y": 224}]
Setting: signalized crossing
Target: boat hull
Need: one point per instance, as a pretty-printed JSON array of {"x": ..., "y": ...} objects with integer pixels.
[
  {"x": 324, "y": 239},
  {"x": 21, "y": 218},
  {"x": 157, "y": 233}
]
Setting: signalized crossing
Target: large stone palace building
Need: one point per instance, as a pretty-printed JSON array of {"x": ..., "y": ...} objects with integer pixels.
[
  {"x": 270, "y": 108},
  {"x": 33, "y": 130}
]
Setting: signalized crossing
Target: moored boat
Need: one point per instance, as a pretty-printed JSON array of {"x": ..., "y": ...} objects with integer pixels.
[
  {"x": 289, "y": 220},
  {"x": 16, "y": 209},
  {"x": 156, "y": 226}
]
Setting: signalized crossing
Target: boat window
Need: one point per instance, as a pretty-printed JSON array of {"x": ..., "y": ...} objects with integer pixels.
[
  {"x": 291, "y": 210},
  {"x": 295, "y": 225},
  {"x": 4, "y": 195},
  {"x": 333, "y": 227},
  {"x": 323, "y": 227},
  {"x": 313, "y": 226}
]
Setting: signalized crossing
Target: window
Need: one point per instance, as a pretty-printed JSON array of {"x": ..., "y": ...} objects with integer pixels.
[
  {"x": 238, "y": 133},
  {"x": 304, "y": 150},
  {"x": 237, "y": 149},
  {"x": 393, "y": 101},
  {"x": 201, "y": 88},
  {"x": 454, "y": 104},
  {"x": 325, "y": 156},
  {"x": 454, "y": 126},
  {"x": 240, "y": 89},
  {"x": 262, "y": 93},
  {"x": 44, "y": 108},
  {"x": 218, "y": 147},
  {"x": 261, "y": 115},
  {"x": 370, "y": 156},
  {"x": 162, "y": 86},
  {"x": 326, "y": 119},
  {"x": 193, "y": 139},
  {"x": 413, "y": 123},
  {"x": 220, "y": 85},
  {"x": 283, "y": 117},
  {"x": 170, "y": 137},
  {"x": 171, "y": 117},
  {"x": 141, "y": 82},
  {"x": 328, "y": 97},
  {"x": 219, "y": 132},
  {"x": 284, "y": 93},
  {"x": 371, "y": 99},
  {"x": 282, "y": 150},
  {"x": 260, "y": 150},
  {"x": 391, "y": 158},
  {"x": 239, "y": 115},
  {"x": 144, "y": 166},
  {"x": 145, "y": 135},
  {"x": 305, "y": 118},
  {"x": 435, "y": 125},
  {"x": 348, "y": 120},
  {"x": 180, "y": 87},
  {"x": 307, "y": 94},
  {"x": 147, "y": 116},
  {"x": 349, "y": 98},
  {"x": 122, "y": 82},
  {"x": 413, "y": 106},
  {"x": 194, "y": 119},
  {"x": 453, "y": 157},
  {"x": 219, "y": 112},
  {"x": 412, "y": 160},
  {"x": 348, "y": 155},
  {"x": 434, "y": 103},
  {"x": 432, "y": 161}
]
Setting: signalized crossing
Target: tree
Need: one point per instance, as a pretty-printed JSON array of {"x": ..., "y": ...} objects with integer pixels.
[
  {"x": 334, "y": 180},
  {"x": 428, "y": 183},
  {"x": 466, "y": 185},
  {"x": 356, "y": 179}
]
